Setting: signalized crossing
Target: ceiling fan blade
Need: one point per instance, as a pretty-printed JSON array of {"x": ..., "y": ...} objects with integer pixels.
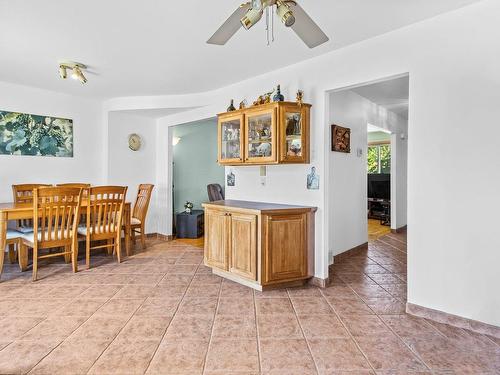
[
  {"x": 307, "y": 29},
  {"x": 230, "y": 27}
]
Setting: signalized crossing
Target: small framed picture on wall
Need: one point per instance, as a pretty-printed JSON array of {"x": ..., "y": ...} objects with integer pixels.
[{"x": 341, "y": 139}]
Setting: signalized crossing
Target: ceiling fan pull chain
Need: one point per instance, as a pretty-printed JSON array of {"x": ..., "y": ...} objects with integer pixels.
[
  {"x": 272, "y": 23},
  {"x": 267, "y": 25}
]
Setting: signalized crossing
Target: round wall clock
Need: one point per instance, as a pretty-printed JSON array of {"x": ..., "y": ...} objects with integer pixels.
[{"x": 134, "y": 142}]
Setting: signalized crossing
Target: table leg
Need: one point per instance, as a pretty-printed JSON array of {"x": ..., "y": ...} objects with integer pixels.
[
  {"x": 3, "y": 238},
  {"x": 127, "y": 231}
]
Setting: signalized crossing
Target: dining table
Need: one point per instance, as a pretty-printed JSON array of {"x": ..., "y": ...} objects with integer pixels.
[{"x": 21, "y": 211}]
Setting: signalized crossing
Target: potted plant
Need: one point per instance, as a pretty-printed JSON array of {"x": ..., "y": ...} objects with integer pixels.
[{"x": 188, "y": 206}]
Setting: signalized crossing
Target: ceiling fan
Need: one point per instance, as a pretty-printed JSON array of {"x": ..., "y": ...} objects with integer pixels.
[{"x": 289, "y": 12}]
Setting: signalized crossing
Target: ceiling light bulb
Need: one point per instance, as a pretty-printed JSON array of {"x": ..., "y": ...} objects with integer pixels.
[
  {"x": 63, "y": 72},
  {"x": 77, "y": 74},
  {"x": 252, "y": 17},
  {"x": 285, "y": 14}
]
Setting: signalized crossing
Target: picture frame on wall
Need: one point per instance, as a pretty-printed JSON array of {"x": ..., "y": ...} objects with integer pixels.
[
  {"x": 341, "y": 139},
  {"x": 27, "y": 134}
]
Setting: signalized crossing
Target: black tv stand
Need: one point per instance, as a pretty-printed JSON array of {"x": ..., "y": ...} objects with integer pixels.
[{"x": 380, "y": 209}]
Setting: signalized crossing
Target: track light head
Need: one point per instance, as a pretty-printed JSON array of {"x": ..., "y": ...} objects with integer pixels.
[
  {"x": 63, "y": 73},
  {"x": 78, "y": 75},
  {"x": 285, "y": 13}
]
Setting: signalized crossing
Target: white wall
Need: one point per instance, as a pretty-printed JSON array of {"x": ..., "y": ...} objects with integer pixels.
[
  {"x": 87, "y": 163},
  {"x": 131, "y": 168},
  {"x": 348, "y": 177},
  {"x": 453, "y": 166}
]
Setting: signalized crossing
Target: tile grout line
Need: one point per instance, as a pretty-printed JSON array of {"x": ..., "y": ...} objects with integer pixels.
[
  {"x": 349, "y": 332},
  {"x": 212, "y": 328},
  {"x": 257, "y": 335},
  {"x": 170, "y": 322},
  {"x": 58, "y": 345},
  {"x": 302, "y": 330}
]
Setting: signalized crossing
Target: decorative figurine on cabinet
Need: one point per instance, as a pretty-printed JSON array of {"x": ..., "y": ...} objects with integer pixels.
[
  {"x": 300, "y": 97},
  {"x": 243, "y": 104},
  {"x": 278, "y": 97},
  {"x": 231, "y": 107}
]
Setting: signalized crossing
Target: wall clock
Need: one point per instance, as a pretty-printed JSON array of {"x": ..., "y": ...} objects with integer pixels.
[{"x": 134, "y": 142}]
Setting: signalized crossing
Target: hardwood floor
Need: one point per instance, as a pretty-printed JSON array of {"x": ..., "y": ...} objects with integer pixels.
[
  {"x": 196, "y": 242},
  {"x": 376, "y": 230}
]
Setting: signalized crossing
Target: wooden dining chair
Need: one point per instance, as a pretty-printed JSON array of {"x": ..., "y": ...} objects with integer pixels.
[
  {"x": 140, "y": 211},
  {"x": 56, "y": 213},
  {"x": 23, "y": 193},
  {"x": 75, "y": 185},
  {"x": 105, "y": 206}
]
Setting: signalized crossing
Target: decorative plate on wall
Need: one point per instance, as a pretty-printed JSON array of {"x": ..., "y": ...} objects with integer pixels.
[{"x": 134, "y": 142}]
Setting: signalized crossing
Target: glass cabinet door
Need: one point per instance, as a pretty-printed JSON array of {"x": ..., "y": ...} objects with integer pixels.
[
  {"x": 261, "y": 136},
  {"x": 230, "y": 136},
  {"x": 294, "y": 133}
]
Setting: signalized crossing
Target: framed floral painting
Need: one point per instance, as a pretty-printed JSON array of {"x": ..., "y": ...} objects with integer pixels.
[{"x": 27, "y": 134}]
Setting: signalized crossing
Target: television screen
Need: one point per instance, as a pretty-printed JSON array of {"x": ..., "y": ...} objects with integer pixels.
[{"x": 379, "y": 186}]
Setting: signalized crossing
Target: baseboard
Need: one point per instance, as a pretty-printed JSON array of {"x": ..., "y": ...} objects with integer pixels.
[
  {"x": 351, "y": 252},
  {"x": 163, "y": 237},
  {"x": 399, "y": 230},
  {"x": 452, "y": 320},
  {"x": 320, "y": 283}
]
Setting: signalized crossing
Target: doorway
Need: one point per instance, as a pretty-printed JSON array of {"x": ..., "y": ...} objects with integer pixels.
[{"x": 194, "y": 166}]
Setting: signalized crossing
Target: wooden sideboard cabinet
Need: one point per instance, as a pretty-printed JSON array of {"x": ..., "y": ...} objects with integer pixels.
[
  {"x": 261, "y": 245},
  {"x": 274, "y": 133}
]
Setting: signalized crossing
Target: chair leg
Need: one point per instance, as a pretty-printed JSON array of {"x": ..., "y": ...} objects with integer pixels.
[
  {"x": 35, "y": 263},
  {"x": 110, "y": 246},
  {"x": 23, "y": 257},
  {"x": 133, "y": 236},
  {"x": 12, "y": 253},
  {"x": 118, "y": 248},
  {"x": 67, "y": 257},
  {"x": 143, "y": 237},
  {"x": 74, "y": 256},
  {"x": 87, "y": 253}
]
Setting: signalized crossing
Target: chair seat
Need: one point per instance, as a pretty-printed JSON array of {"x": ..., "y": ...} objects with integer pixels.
[
  {"x": 30, "y": 237},
  {"x": 82, "y": 230},
  {"x": 135, "y": 221},
  {"x": 24, "y": 229}
]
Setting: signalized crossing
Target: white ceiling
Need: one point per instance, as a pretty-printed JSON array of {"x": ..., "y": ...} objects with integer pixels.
[
  {"x": 392, "y": 94},
  {"x": 157, "y": 47}
]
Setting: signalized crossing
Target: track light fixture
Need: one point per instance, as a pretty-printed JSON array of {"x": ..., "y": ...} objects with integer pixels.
[{"x": 76, "y": 69}]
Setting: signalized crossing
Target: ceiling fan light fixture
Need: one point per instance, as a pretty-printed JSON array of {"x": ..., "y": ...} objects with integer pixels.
[
  {"x": 252, "y": 17},
  {"x": 285, "y": 14}
]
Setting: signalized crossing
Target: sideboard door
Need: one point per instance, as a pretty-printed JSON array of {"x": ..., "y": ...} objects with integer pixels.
[
  {"x": 243, "y": 255},
  {"x": 216, "y": 241},
  {"x": 285, "y": 247}
]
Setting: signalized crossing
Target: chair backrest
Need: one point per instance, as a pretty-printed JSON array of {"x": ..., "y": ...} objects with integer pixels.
[
  {"x": 55, "y": 215},
  {"x": 142, "y": 201},
  {"x": 215, "y": 192},
  {"x": 75, "y": 185},
  {"x": 23, "y": 193},
  {"x": 105, "y": 210}
]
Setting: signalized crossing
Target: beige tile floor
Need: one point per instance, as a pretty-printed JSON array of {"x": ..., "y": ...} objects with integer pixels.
[{"x": 162, "y": 312}]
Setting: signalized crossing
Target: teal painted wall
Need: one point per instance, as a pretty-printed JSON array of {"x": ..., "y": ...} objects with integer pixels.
[
  {"x": 378, "y": 137},
  {"x": 195, "y": 164}
]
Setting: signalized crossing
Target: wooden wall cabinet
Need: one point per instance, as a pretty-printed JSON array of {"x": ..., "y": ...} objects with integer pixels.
[
  {"x": 274, "y": 133},
  {"x": 261, "y": 245}
]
